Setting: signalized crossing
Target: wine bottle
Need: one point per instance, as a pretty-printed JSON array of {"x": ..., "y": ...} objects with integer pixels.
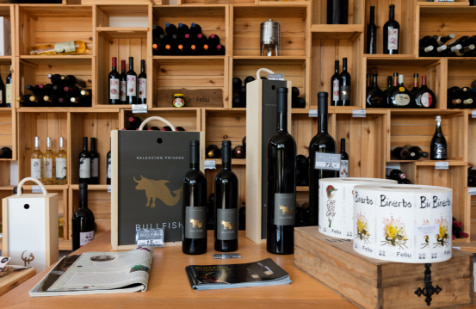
[
  {"x": 400, "y": 153},
  {"x": 427, "y": 46},
  {"x": 375, "y": 96},
  {"x": 212, "y": 151},
  {"x": 194, "y": 205},
  {"x": 335, "y": 84},
  {"x": 182, "y": 29},
  {"x": 454, "y": 97},
  {"x": 123, "y": 84},
  {"x": 337, "y": 11},
  {"x": 5, "y": 153},
  {"x": 344, "y": 160},
  {"x": 195, "y": 29},
  {"x": 114, "y": 83},
  {"x": 465, "y": 51},
  {"x": 63, "y": 48},
  {"x": 94, "y": 162},
  {"x": 438, "y": 146},
  {"x": 415, "y": 153},
  {"x": 400, "y": 97},
  {"x": 48, "y": 164},
  {"x": 442, "y": 39},
  {"x": 344, "y": 85},
  {"x": 142, "y": 82},
  {"x": 391, "y": 33},
  {"x": 85, "y": 163},
  {"x": 8, "y": 89},
  {"x": 36, "y": 160},
  {"x": 399, "y": 176},
  {"x": 369, "y": 82},
  {"x": 281, "y": 190},
  {"x": 156, "y": 32},
  {"x": 302, "y": 171},
  {"x": 226, "y": 204},
  {"x": 83, "y": 220},
  {"x": 131, "y": 86},
  {"x": 424, "y": 97},
  {"x": 72, "y": 81},
  {"x": 239, "y": 152},
  {"x": 133, "y": 123},
  {"x": 213, "y": 40},
  {"x": 3, "y": 101},
  {"x": 108, "y": 166},
  {"x": 170, "y": 29},
  {"x": 322, "y": 142},
  {"x": 371, "y": 45},
  {"x": 414, "y": 90},
  {"x": 61, "y": 164}
]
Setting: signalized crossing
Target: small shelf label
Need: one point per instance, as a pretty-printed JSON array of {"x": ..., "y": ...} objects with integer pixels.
[
  {"x": 473, "y": 114},
  {"x": 327, "y": 161},
  {"x": 276, "y": 76},
  {"x": 442, "y": 165},
  {"x": 139, "y": 108},
  {"x": 472, "y": 191},
  {"x": 36, "y": 189},
  {"x": 359, "y": 113},
  {"x": 109, "y": 188},
  {"x": 210, "y": 164},
  {"x": 313, "y": 113}
]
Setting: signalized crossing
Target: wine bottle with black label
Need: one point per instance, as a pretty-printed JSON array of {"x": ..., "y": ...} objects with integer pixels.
[
  {"x": 344, "y": 86},
  {"x": 83, "y": 220},
  {"x": 194, "y": 205},
  {"x": 85, "y": 163},
  {"x": 391, "y": 33},
  {"x": 226, "y": 204},
  {"x": 375, "y": 96},
  {"x": 281, "y": 190},
  {"x": 438, "y": 146},
  {"x": 371, "y": 45},
  {"x": 321, "y": 143}
]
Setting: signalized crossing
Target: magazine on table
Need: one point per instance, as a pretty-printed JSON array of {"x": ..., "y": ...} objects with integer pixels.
[
  {"x": 98, "y": 273},
  {"x": 260, "y": 273}
]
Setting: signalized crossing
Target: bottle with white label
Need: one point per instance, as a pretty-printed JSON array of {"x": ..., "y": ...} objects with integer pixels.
[
  {"x": 281, "y": 189},
  {"x": 85, "y": 163},
  {"x": 226, "y": 204},
  {"x": 48, "y": 178},
  {"x": 36, "y": 161},
  {"x": 319, "y": 167},
  {"x": 114, "y": 83},
  {"x": 131, "y": 83},
  {"x": 335, "y": 84},
  {"x": 83, "y": 220},
  {"x": 142, "y": 84},
  {"x": 344, "y": 160},
  {"x": 391, "y": 33},
  {"x": 60, "y": 164}
]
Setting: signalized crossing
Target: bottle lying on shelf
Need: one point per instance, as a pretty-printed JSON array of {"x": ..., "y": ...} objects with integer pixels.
[{"x": 63, "y": 48}]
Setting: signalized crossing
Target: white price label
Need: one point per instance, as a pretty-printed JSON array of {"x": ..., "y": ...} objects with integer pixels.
[
  {"x": 210, "y": 164},
  {"x": 313, "y": 113},
  {"x": 473, "y": 114},
  {"x": 150, "y": 237},
  {"x": 472, "y": 191},
  {"x": 36, "y": 189},
  {"x": 442, "y": 165},
  {"x": 109, "y": 188},
  {"x": 139, "y": 108},
  {"x": 151, "y": 242},
  {"x": 361, "y": 113},
  {"x": 276, "y": 76},
  {"x": 327, "y": 161}
]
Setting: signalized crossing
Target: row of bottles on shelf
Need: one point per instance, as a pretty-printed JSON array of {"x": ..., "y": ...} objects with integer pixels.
[
  {"x": 462, "y": 97},
  {"x": 212, "y": 151},
  {"x": 52, "y": 169},
  {"x": 76, "y": 47},
  {"x": 396, "y": 95},
  {"x": 63, "y": 91},
  {"x": 408, "y": 152},
  {"x": 127, "y": 87},
  {"x": 340, "y": 83},
  {"x": 183, "y": 40},
  {"x": 447, "y": 46},
  {"x": 391, "y": 33}
]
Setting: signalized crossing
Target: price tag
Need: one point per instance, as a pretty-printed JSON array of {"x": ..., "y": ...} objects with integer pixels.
[
  {"x": 139, "y": 108},
  {"x": 327, "y": 161},
  {"x": 442, "y": 165},
  {"x": 313, "y": 113},
  {"x": 150, "y": 237},
  {"x": 275, "y": 76},
  {"x": 360, "y": 113},
  {"x": 473, "y": 114},
  {"x": 210, "y": 164},
  {"x": 219, "y": 256},
  {"x": 109, "y": 188},
  {"x": 472, "y": 191},
  {"x": 36, "y": 189}
]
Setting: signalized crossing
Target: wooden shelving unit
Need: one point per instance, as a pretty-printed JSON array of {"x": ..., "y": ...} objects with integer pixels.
[{"x": 309, "y": 48}]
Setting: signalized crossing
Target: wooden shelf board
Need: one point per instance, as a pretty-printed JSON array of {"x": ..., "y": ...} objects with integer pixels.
[{"x": 336, "y": 32}]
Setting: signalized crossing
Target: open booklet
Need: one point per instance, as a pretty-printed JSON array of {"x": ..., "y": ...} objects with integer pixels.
[
  {"x": 97, "y": 273},
  {"x": 261, "y": 273}
]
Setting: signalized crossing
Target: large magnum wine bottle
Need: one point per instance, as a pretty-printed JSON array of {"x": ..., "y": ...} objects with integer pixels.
[
  {"x": 321, "y": 143},
  {"x": 391, "y": 33},
  {"x": 226, "y": 204},
  {"x": 194, "y": 205},
  {"x": 438, "y": 146},
  {"x": 281, "y": 192},
  {"x": 83, "y": 220}
]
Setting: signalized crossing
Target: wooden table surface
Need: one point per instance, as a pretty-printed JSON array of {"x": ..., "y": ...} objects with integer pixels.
[
  {"x": 14, "y": 279},
  {"x": 169, "y": 286}
]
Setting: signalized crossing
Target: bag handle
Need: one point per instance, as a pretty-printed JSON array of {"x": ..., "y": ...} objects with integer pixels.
[
  {"x": 145, "y": 121},
  {"x": 19, "y": 187}
]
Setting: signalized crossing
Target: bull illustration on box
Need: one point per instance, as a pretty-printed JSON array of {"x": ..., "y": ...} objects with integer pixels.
[{"x": 158, "y": 189}]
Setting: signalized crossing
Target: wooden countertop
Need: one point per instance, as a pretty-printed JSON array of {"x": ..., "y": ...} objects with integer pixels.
[{"x": 169, "y": 286}]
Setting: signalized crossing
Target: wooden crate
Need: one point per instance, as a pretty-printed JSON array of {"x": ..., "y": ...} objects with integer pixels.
[
  {"x": 319, "y": 12},
  {"x": 371, "y": 283}
]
